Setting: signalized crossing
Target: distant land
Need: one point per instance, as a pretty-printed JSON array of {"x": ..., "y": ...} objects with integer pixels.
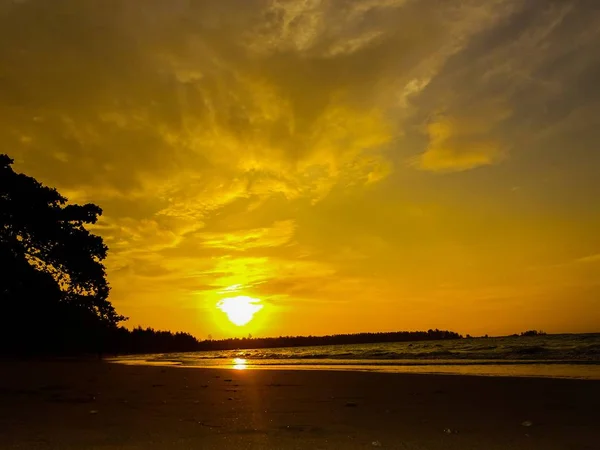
[{"x": 148, "y": 340}]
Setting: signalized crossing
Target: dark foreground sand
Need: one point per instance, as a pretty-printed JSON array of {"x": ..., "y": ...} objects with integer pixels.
[{"x": 68, "y": 405}]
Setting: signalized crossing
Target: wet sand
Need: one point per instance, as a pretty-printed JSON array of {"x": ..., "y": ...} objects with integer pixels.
[{"x": 94, "y": 405}]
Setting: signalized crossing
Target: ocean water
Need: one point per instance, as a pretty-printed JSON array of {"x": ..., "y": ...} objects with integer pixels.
[{"x": 558, "y": 356}]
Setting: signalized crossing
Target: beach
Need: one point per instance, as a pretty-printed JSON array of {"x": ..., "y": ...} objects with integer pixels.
[{"x": 100, "y": 405}]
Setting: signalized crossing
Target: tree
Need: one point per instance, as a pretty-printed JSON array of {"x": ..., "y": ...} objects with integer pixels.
[{"x": 52, "y": 283}]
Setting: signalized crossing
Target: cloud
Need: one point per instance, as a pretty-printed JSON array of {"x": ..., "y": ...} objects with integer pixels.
[
  {"x": 263, "y": 144},
  {"x": 232, "y": 92},
  {"x": 589, "y": 259},
  {"x": 529, "y": 62},
  {"x": 277, "y": 235},
  {"x": 458, "y": 143}
]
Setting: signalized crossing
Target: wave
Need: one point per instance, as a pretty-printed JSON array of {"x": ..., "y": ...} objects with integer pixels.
[
  {"x": 562, "y": 356},
  {"x": 557, "y": 349}
]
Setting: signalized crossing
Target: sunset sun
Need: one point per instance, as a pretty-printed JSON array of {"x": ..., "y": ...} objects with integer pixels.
[{"x": 240, "y": 310}]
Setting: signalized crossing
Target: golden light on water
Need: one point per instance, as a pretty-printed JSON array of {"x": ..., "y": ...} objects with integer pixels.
[
  {"x": 241, "y": 309},
  {"x": 239, "y": 364}
]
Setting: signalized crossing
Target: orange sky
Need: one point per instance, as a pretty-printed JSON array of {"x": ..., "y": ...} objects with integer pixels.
[{"x": 355, "y": 166}]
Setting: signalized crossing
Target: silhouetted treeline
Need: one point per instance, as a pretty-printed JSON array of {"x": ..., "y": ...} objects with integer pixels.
[
  {"x": 149, "y": 340},
  {"x": 530, "y": 333},
  {"x": 71, "y": 339},
  {"x": 336, "y": 339},
  {"x": 123, "y": 341}
]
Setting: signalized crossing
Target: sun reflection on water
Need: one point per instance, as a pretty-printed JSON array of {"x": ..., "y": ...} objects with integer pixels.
[{"x": 239, "y": 364}]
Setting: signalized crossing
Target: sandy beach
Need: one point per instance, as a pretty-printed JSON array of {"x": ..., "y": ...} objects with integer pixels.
[{"x": 98, "y": 405}]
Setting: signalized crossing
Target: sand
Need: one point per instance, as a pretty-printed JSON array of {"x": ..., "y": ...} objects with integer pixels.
[{"x": 98, "y": 405}]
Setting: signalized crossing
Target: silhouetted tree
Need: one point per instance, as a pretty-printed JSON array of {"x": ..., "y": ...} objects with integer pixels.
[
  {"x": 533, "y": 333},
  {"x": 53, "y": 288}
]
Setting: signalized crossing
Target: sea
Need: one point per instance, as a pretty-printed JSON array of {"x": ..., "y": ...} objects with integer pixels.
[{"x": 555, "y": 356}]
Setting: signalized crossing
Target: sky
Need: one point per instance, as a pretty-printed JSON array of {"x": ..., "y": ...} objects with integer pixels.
[{"x": 371, "y": 165}]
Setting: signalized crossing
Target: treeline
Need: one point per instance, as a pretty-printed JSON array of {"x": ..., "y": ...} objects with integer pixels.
[
  {"x": 336, "y": 339},
  {"x": 149, "y": 340},
  {"x": 69, "y": 340},
  {"x": 529, "y": 333},
  {"x": 123, "y": 341}
]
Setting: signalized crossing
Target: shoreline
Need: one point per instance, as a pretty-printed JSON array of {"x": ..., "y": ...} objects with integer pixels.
[
  {"x": 584, "y": 370},
  {"x": 558, "y": 356},
  {"x": 84, "y": 404}
]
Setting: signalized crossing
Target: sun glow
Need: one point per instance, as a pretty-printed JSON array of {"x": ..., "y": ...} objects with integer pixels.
[
  {"x": 239, "y": 364},
  {"x": 240, "y": 310}
]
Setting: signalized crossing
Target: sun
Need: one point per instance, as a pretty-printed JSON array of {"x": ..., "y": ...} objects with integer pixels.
[{"x": 240, "y": 310}]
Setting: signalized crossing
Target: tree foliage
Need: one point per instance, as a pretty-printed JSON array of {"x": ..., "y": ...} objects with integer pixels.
[
  {"x": 533, "y": 333},
  {"x": 53, "y": 282}
]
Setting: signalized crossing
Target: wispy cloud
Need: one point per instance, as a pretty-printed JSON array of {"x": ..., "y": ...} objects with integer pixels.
[
  {"x": 463, "y": 142},
  {"x": 589, "y": 259}
]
